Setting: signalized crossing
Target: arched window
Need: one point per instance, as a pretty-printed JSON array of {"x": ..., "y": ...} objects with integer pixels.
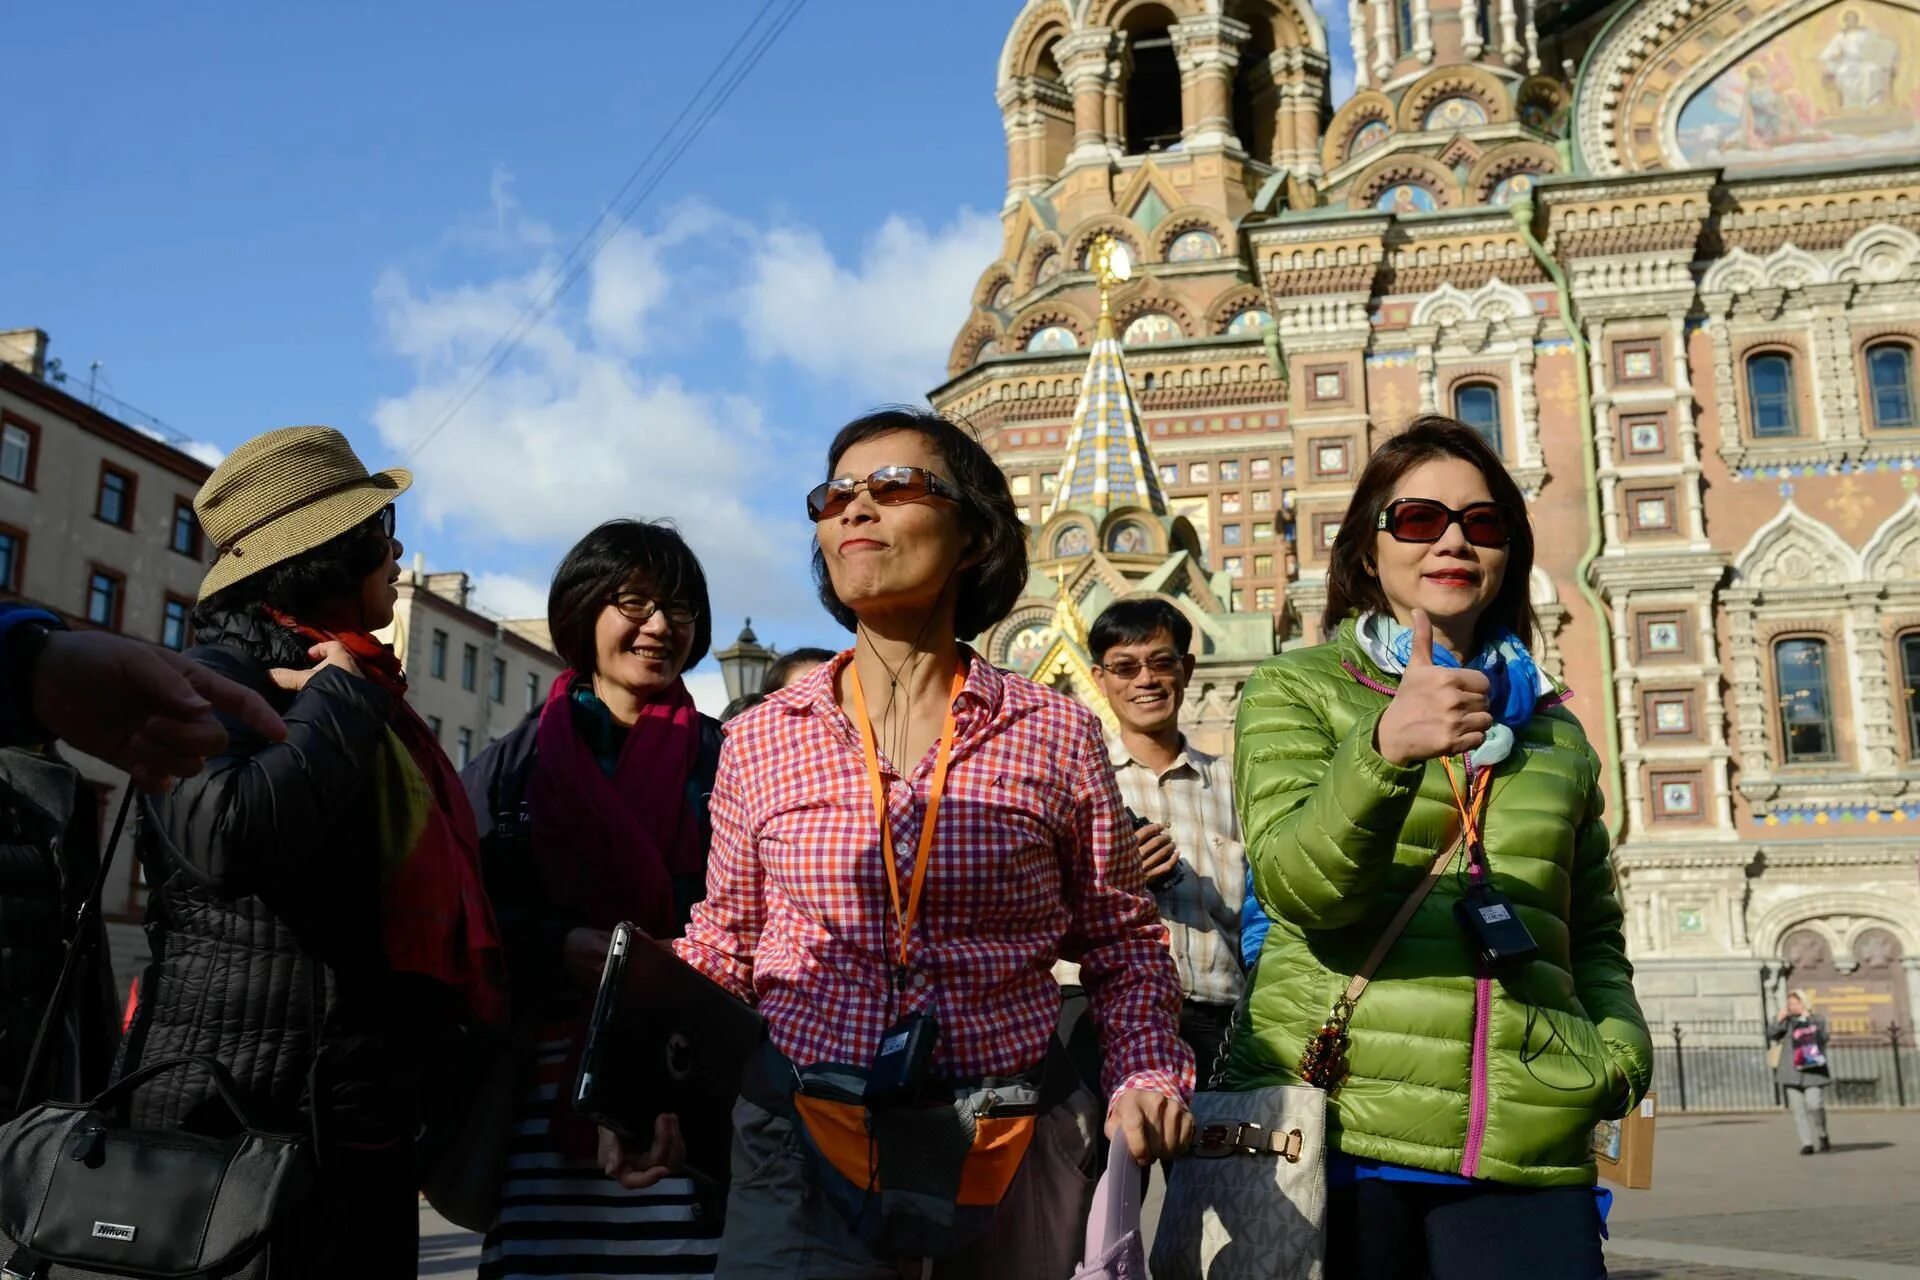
[
  {"x": 1771, "y": 410},
  {"x": 1801, "y": 689},
  {"x": 1890, "y": 378},
  {"x": 1910, "y": 689},
  {"x": 1153, "y": 83},
  {"x": 1478, "y": 405},
  {"x": 1255, "y": 96},
  {"x": 1403, "y": 25}
]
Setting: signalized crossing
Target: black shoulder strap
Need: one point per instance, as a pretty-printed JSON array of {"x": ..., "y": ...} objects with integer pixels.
[{"x": 84, "y": 920}]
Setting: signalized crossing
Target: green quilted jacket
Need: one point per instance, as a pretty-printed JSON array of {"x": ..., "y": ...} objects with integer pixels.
[{"x": 1492, "y": 1076}]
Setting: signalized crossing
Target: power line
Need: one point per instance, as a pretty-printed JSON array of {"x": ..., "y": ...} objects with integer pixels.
[{"x": 595, "y": 239}]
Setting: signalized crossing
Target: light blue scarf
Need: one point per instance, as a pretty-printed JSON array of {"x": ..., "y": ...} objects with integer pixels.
[{"x": 1516, "y": 683}]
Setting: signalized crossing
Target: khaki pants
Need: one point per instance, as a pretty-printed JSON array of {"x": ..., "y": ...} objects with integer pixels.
[
  {"x": 780, "y": 1227},
  {"x": 1809, "y": 1106}
]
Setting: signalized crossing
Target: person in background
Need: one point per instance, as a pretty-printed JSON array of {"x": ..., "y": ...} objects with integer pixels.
[
  {"x": 790, "y": 667},
  {"x": 1462, "y": 1097},
  {"x": 49, "y": 859},
  {"x": 147, "y": 710},
  {"x": 740, "y": 706},
  {"x": 596, "y": 813},
  {"x": 316, "y": 914},
  {"x": 1028, "y": 858},
  {"x": 1802, "y": 1072},
  {"x": 1194, "y": 861}
]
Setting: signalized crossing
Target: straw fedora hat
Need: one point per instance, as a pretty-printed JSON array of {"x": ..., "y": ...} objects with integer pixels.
[{"x": 284, "y": 493}]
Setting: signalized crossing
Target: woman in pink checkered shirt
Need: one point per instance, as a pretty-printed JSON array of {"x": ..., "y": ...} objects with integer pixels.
[{"x": 1032, "y": 861}]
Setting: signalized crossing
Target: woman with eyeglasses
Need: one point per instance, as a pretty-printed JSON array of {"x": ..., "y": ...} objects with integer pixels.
[
  {"x": 595, "y": 812},
  {"x": 316, "y": 913},
  {"x": 905, "y": 841},
  {"x": 1419, "y": 751}
]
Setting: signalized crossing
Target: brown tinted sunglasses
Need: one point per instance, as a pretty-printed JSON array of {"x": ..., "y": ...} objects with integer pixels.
[{"x": 889, "y": 486}]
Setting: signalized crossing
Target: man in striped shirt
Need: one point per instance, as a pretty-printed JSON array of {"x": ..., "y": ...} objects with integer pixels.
[{"x": 1195, "y": 863}]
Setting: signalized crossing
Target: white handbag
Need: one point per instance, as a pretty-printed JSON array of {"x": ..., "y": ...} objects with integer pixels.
[{"x": 1249, "y": 1201}]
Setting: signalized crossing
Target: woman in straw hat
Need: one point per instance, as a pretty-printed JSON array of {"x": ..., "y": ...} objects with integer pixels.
[{"x": 316, "y": 913}]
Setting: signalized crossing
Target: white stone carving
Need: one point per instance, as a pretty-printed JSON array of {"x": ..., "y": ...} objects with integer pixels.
[
  {"x": 1892, "y": 554},
  {"x": 1795, "y": 550}
]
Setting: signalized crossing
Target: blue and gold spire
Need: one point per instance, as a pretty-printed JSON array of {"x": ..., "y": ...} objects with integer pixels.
[{"x": 1107, "y": 463}]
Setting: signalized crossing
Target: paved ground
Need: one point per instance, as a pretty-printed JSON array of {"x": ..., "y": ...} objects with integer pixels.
[{"x": 1733, "y": 1201}]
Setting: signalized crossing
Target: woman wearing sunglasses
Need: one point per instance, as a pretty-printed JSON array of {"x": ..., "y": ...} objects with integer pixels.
[
  {"x": 317, "y": 917},
  {"x": 595, "y": 812},
  {"x": 1422, "y": 749},
  {"x": 907, "y": 962}
]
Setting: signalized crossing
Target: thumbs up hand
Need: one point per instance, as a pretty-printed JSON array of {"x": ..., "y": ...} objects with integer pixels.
[{"x": 1439, "y": 711}]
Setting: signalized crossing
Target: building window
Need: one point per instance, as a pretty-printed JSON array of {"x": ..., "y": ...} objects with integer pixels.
[
  {"x": 1263, "y": 500},
  {"x": 105, "y": 592},
  {"x": 1169, "y": 473},
  {"x": 1230, "y": 535},
  {"x": 1263, "y": 531},
  {"x": 437, "y": 655},
  {"x": 1200, "y": 473},
  {"x": 13, "y": 558},
  {"x": 1262, "y": 468},
  {"x": 433, "y": 723},
  {"x": 463, "y": 752},
  {"x": 1890, "y": 377},
  {"x": 16, "y": 453},
  {"x": 1770, "y": 393},
  {"x": 1230, "y": 473},
  {"x": 469, "y": 668},
  {"x": 1263, "y": 598},
  {"x": 114, "y": 503},
  {"x": 1403, "y": 25},
  {"x": 497, "y": 685},
  {"x": 1478, "y": 405},
  {"x": 1806, "y": 711},
  {"x": 176, "y": 631},
  {"x": 1910, "y": 695},
  {"x": 1263, "y": 566},
  {"x": 186, "y": 529},
  {"x": 1153, "y": 92},
  {"x": 533, "y": 690},
  {"x": 1229, "y": 504}
]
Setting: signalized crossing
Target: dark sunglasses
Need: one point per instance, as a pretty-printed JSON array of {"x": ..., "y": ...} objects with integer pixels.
[
  {"x": 1161, "y": 664},
  {"x": 889, "y": 486},
  {"x": 635, "y": 607},
  {"x": 1484, "y": 524},
  {"x": 389, "y": 521}
]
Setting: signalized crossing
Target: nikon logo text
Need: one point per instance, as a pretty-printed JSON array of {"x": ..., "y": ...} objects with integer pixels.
[{"x": 112, "y": 1231}]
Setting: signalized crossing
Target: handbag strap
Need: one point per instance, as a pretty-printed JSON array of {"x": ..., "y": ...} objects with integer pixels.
[
  {"x": 77, "y": 945},
  {"x": 1397, "y": 926}
]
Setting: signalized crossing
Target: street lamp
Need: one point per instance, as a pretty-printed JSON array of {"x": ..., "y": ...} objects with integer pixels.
[{"x": 744, "y": 666}]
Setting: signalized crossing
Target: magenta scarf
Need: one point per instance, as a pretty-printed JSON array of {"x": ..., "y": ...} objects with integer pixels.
[{"x": 609, "y": 847}]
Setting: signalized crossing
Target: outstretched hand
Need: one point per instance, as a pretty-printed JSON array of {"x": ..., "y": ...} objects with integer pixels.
[
  {"x": 1439, "y": 711},
  {"x": 139, "y": 707}
]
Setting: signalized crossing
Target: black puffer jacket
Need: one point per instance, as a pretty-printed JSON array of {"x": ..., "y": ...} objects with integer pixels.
[
  {"x": 49, "y": 854},
  {"x": 265, "y": 901}
]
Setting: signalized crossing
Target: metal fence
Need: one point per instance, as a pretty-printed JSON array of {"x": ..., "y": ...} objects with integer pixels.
[{"x": 1722, "y": 1066}]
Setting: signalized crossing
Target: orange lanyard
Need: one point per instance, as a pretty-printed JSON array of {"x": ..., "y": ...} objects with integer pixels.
[
  {"x": 1470, "y": 812},
  {"x": 905, "y": 915}
]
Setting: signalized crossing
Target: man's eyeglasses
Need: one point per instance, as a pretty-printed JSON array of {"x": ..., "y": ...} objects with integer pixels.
[
  {"x": 1123, "y": 669},
  {"x": 889, "y": 486},
  {"x": 389, "y": 521},
  {"x": 637, "y": 608},
  {"x": 1484, "y": 524}
]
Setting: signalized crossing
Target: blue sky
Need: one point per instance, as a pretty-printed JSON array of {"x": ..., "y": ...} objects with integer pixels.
[{"x": 256, "y": 216}]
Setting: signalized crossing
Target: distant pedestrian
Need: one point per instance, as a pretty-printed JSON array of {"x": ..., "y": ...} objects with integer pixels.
[
  {"x": 317, "y": 919},
  {"x": 791, "y": 667},
  {"x": 1802, "y": 1070},
  {"x": 594, "y": 813}
]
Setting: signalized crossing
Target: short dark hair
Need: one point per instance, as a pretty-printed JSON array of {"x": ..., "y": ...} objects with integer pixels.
[
  {"x": 308, "y": 584},
  {"x": 783, "y": 668},
  {"x": 741, "y": 705},
  {"x": 1134, "y": 621},
  {"x": 1352, "y": 590},
  {"x": 648, "y": 555},
  {"x": 989, "y": 588}
]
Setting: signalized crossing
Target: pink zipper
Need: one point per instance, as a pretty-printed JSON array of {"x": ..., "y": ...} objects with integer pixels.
[{"x": 1482, "y": 1021}]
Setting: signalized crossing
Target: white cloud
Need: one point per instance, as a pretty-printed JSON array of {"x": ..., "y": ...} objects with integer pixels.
[
  {"x": 709, "y": 690},
  {"x": 882, "y": 327},
  {"x": 509, "y": 596}
]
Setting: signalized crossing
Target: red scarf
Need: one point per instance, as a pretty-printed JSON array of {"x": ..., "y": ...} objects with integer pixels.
[
  {"x": 609, "y": 847},
  {"x": 437, "y": 921}
]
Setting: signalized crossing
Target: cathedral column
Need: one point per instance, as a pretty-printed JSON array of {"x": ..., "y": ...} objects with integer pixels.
[
  {"x": 1533, "y": 41},
  {"x": 1686, "y": 430},
  {"x": 1026, "y": 141},
  {"x": 1472, "y": 42},
  {"x": 1510, "y": 51},
  {"x": 1383, "y": 38},
  {"x": 1208, "y": 50},
  {"x": 1422, "y": 31},
  {"x": 1357, "y": 34},
  {"x": 1083, "y": 64},
  {"x": 1425, "y": 367},
  {"x": 1309, "y": 91}
]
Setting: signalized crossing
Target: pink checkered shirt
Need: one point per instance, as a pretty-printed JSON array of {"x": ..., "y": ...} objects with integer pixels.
[{"x": 1033, "y": 861}]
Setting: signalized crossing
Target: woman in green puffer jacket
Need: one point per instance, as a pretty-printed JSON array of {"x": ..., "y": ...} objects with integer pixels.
[{"x": 1459, "y": 1132}]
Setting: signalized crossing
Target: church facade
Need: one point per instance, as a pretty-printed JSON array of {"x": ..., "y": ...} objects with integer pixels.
[{"x": 1664, "y": 254}]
